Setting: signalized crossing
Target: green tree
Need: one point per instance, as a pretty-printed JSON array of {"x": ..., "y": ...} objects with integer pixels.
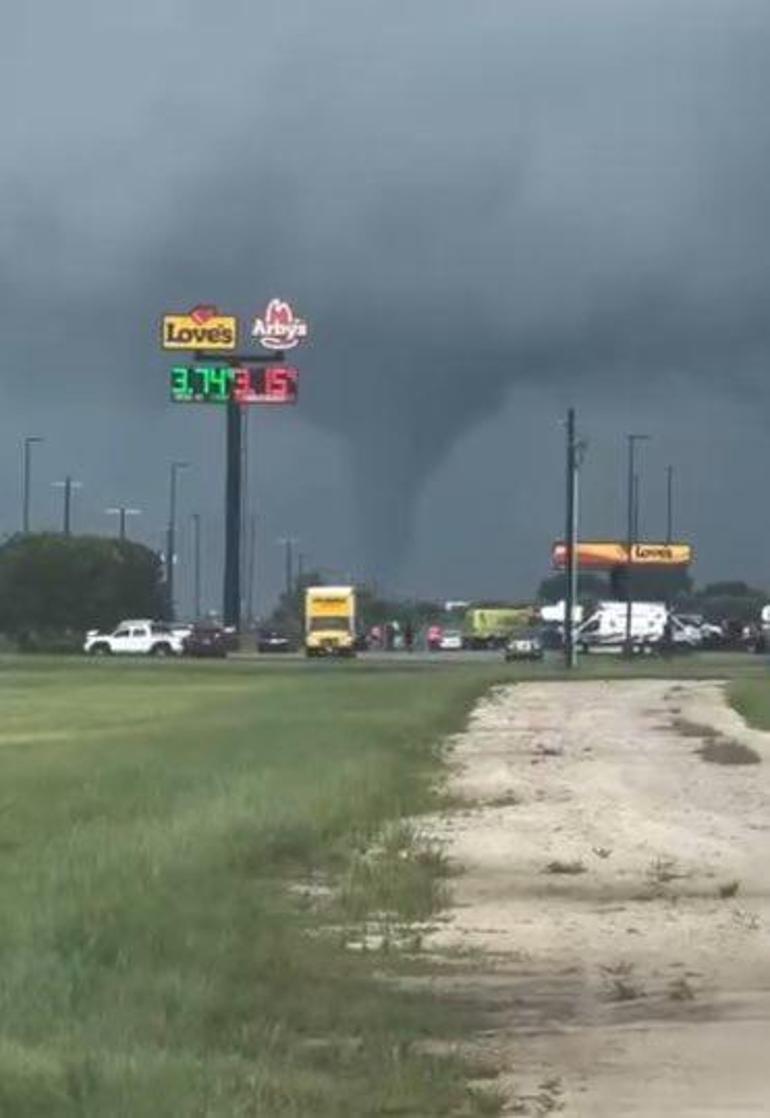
[
  {"x": 652, "y": 584},
  {"x": 289, "y": 615},
  {"x": 728, "y": 601},
  {"x": 54, "y": 586}
]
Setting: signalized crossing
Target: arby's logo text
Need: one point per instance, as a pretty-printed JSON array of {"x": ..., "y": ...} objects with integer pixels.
[{"x": 279, "y": 328}]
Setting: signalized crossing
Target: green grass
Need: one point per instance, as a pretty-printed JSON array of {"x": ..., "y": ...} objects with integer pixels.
[
  {"x": 153, "y": 959},
  {"x": 751, "y": 698}
]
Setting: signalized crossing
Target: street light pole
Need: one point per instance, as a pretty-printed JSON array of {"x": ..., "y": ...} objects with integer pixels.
[
  {"x": 67, "y": 485},
  {"x": 175, "y": 467},
  {"x": 289, "y": 567},
  {"x": 288, "y": 544},
  {"x": 570, "y": 537},
  {"x": 122, "y": 511},
  {"x": 251, "y": 568},
  {"x": 196, "y": 523},
  {"x": 630, "y": 537},
  {"x": 29, "y": 442}
]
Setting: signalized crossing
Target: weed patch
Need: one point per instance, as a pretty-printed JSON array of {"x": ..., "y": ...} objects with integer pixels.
[
  {"x": 568, "y": 868},
  {"x": 724, "y": 751}
]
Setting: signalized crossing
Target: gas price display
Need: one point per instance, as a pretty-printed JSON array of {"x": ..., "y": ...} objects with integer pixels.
[{"x": 222, "y": 384}]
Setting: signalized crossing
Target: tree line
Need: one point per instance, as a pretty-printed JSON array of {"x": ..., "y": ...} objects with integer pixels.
[{"x": 55, "y": 587}]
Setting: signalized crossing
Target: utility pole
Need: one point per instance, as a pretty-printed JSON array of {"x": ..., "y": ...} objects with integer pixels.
[
  {"x": 174, "y": 469},
  {"x": 29, "y": 442},
  {"x": 122, "y": 512},
  {"x": 669, "y": 503},
  {"x": 636, "y": 506},
  {"x": 630, "y": 537},
  {"x": 289, "y": 567},
  {"x": 288, "y": 544},
  {"x": 67, "y": 485},
  {"x": 570, "y": 537},
  {"x": 196, "y": 524}
]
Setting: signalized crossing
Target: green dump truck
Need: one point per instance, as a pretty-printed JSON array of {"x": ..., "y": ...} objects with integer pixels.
[{"x": 491, "y": 627}]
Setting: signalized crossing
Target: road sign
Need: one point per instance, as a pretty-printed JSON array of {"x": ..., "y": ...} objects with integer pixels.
[
  {"x": 606, "y": 554},
  {"x": 201, "y": 328},
  {"x": 279, "y": 328}
]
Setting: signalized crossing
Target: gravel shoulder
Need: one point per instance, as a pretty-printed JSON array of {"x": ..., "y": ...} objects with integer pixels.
[{"x": 611, "y": 909}]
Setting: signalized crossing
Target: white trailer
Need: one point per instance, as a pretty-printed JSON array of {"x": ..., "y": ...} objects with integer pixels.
[{"x": 605, "y": 629}]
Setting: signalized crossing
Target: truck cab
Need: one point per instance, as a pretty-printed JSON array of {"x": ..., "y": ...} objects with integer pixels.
[{"x": 330, "y": 621}]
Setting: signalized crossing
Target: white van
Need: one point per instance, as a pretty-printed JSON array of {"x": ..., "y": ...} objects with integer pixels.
[{"x": 605, "y": 628}]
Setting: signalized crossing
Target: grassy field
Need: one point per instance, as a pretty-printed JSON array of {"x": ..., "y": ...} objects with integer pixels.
[
  {"x": 155, "y": 959},
  {"x": 159, "y": 827},
  {"x": 751, "y": 698}
]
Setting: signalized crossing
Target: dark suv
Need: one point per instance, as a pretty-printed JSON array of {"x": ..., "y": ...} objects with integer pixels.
[{"x": 206, "y": 640}]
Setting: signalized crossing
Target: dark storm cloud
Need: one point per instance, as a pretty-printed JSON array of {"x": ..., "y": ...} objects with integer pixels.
[{"x": 463, "y": 197}]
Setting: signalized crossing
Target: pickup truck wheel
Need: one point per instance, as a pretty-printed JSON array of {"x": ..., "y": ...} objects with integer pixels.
[
  {"x": 100, "y": 649},
  {"x": 162, "y": 649}
]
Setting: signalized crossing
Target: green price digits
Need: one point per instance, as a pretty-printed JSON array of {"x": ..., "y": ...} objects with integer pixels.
[{"x": 201, "y": 384}]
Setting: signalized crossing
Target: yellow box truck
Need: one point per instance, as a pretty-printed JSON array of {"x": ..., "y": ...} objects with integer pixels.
[{"x": 330, "y": 621}]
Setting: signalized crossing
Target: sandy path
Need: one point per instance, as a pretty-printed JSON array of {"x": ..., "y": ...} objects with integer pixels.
[{"x": 631, "y": 988}]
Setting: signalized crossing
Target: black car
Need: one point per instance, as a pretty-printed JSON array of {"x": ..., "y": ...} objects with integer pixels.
[
  {"x": 270, "y": 640},
  {"x": 206, "y": 640}
]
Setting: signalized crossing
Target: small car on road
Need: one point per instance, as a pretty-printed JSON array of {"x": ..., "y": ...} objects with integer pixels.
[
  {"x": 451, "y": 641},
  {"x": 271, "y": 640},
  {"x": 526, "y": 645}
]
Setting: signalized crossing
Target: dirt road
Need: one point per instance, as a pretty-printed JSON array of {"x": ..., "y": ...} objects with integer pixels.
[{"x": 612, "y": 906}]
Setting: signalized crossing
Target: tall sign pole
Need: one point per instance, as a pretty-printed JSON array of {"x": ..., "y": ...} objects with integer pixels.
[{"x": 233, "y": 485}]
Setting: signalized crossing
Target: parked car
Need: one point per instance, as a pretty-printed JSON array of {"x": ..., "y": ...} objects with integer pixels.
[
  {"x": 451, "y": 640},
  {"x": 433, "y": 636},
  {"x": 137, "y": 638},
  {"x": 205, "y": 640},
  {"x": 271, "y": 640},
  {"x": 526, "y": 645}
]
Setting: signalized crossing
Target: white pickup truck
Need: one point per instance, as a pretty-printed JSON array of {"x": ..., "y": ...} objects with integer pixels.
[{"x": 137, "y": 638}]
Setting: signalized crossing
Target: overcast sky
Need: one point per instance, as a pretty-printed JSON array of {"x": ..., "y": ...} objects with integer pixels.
[{"x": 488, "y": 210}]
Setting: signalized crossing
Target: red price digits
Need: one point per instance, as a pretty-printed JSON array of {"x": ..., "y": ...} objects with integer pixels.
[
  {"x": 241, "y": 385},
  {"x": 280, "y": 383}
]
